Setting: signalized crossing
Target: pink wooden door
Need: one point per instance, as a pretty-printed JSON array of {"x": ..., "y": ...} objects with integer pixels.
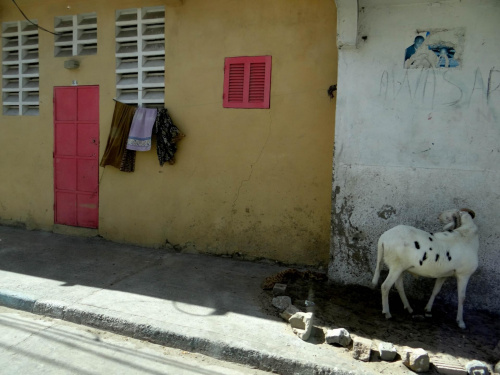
[{"x": 76, "y": 156}]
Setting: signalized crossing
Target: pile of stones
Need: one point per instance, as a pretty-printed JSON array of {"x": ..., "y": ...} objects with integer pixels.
[{"x": 415, "y": 359}]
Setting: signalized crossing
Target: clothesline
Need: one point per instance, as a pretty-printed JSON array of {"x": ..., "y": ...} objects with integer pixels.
[{"x": 131, "y": 130}]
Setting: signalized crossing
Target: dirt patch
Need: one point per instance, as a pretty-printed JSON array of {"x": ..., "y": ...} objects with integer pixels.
[{"x": 358, "y": 309}]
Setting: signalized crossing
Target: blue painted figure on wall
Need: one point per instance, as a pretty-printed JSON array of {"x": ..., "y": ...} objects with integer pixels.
[
  {"x": 410, "y": 51},
  {"x": 445, "y": 58},
  {"x": 429, "y": 52}
]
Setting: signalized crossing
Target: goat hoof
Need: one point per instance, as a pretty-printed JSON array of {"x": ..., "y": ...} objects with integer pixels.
[
  {"x": 461, "y": 325},
  {"x": 388, "y": 315}
]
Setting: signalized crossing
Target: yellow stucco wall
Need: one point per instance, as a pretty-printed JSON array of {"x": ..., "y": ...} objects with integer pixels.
[{"x": 253, "y": 181}]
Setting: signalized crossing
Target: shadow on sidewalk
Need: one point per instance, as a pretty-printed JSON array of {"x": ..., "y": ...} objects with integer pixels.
[{"x": 219, "y": 285}]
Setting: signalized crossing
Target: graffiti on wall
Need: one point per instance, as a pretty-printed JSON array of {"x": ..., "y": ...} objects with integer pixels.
[
  {"x": 434, "y": 87},
  {"x": 436, "y": 48}
]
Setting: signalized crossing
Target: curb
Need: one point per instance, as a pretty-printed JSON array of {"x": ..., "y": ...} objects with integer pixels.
[
  {"x": 18, "y": 301},
  {"x": 145, "y": 329}
]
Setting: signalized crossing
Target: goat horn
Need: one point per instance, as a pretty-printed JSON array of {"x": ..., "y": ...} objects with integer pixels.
[{"x": 469, "y": 211}]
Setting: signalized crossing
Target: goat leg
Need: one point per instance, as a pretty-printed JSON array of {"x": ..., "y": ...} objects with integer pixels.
[
  {"x": 386, "y": 287},
  {"x": 437, "y": 288},
  {"x": 402, "y": 295},
  {"x": 461, "y": 288}
]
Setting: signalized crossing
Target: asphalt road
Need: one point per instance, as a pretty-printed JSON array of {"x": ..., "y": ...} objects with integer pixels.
[{"x": 33, "y": 344}]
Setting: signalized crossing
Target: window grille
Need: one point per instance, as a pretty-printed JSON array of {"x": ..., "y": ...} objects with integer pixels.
[
  {"x": 76, "y": 35},
  {"x": 20, "y": 88},
  {"x": 140, "y": 56}
]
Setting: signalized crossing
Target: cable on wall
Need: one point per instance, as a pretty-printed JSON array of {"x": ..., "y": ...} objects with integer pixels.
[{"x": 30, "y": 21}]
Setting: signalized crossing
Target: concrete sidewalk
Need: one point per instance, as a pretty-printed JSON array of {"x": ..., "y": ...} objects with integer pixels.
[{"x": 197, "y": 303}]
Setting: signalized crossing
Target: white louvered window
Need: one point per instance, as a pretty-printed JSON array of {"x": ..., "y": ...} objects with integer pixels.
[
  {"x": 140, "y": 56},
  {"x": 76, "y": 35},
  {"x": 20, "y": 89}
]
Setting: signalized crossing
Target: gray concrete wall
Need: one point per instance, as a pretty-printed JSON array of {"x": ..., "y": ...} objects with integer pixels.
[{"x": 411, "y": 142}]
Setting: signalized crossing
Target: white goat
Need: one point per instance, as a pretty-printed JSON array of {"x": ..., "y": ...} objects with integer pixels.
[{"x": 435, "y": 255}]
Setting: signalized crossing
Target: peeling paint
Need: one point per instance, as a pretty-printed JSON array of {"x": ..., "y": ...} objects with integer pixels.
[{"x": 349, "y": 237}]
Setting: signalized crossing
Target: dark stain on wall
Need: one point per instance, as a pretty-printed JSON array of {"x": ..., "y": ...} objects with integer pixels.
[
  {"x": 386, "y": 212},
  {"x": 346, "y": 235}
]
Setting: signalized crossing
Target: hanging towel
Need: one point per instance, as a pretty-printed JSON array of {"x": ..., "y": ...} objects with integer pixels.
[
  {"x": 139, "y": 138},
  {"x": 115, "y": 150},
  {"x": 167, "y": 135}
]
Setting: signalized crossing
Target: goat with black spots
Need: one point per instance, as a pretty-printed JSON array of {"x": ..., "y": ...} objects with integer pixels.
[{"x": 456, "y": 255}]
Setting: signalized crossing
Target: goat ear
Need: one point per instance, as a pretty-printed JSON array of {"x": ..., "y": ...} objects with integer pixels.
[{"x": 469, "y": 211}]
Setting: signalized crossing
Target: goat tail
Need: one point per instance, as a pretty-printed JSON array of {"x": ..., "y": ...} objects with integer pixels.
[{"x": 380, "y": 258}]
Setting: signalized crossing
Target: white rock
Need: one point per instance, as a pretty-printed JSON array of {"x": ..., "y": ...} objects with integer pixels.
[
  {"x": 477, "y": 368},
  {"x": 497, "y": 367},
  {"x": 361, "y": 349},
  {"x": 288, "y": 312},
  {"x": 338, "y": 336},
  {"x": 298, "y": 320},
  {"x": 282, "y": 302},
  {"x": 387, "y": 351},
  {"x": 449, "y": 368},
  {"x": 416, "y": 360},
  {"x": 307, "y": 319}
]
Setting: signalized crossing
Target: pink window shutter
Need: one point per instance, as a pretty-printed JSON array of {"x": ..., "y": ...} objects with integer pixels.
[{"x": 247, "y": 82}]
